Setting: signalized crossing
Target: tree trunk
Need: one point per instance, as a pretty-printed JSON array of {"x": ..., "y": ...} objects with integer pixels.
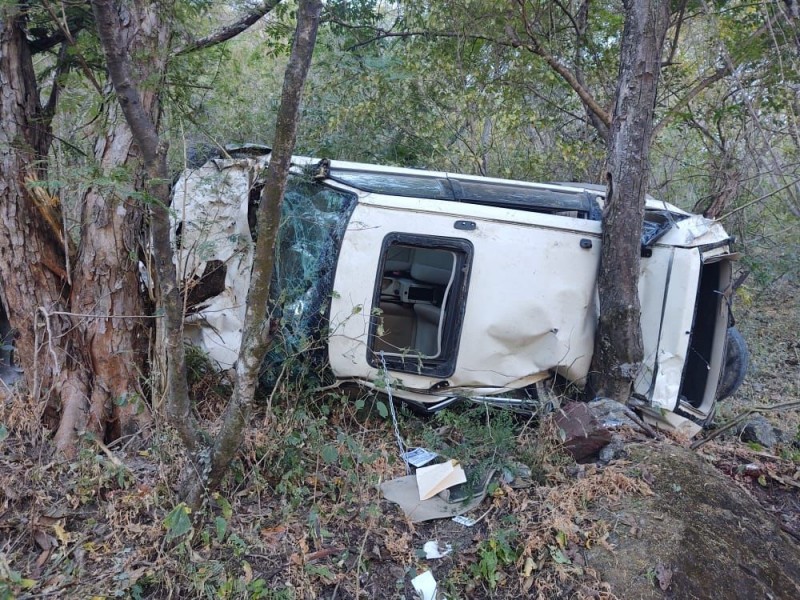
[
  {"x": 208, "y": 464},
  {"x": 255, "y": 334},
  {"x": 86, "y": 368},
  {"x": 106, "y": 279},
  {"x": 618, "y": 342},
  {"x": 32, "y": 245},
  {"x": 110, "y": 28}
]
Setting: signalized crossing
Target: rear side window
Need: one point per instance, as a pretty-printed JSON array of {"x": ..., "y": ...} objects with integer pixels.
[{"x": 419, "y": 301}]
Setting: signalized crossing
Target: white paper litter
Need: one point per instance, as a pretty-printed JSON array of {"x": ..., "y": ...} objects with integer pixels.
[
  {"x": 432, "y": 549},
  {"x": 436, "y": 478},
  {"x": 425, "y": 586},
  {"x": 418, "y": 457}
]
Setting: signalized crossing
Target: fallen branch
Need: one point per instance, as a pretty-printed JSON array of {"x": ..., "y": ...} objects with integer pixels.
[{"x": 739, "y": 418}]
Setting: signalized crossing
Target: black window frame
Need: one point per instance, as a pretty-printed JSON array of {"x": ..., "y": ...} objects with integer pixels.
[{"x": 445, "y": 364}]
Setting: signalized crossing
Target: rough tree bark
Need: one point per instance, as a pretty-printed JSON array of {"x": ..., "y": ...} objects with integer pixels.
[
  {"x": 106, "y": 274},
  {"x": 154, "y": 154},
  {"x": 618, "y": 342},
  {"x": 33, "y": 248},
  {"x": 81, "y": 363}
]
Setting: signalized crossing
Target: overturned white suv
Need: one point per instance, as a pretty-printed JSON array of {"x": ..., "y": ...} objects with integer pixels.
[{"x": 446, "y": 286}]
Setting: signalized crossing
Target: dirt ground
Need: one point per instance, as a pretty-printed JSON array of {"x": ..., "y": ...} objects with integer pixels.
[{"x": 302, "y": 517}]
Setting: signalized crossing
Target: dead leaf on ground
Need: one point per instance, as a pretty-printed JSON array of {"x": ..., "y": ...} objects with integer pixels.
[
  {"x": 273, "y": 535},
  {"x": 44, "y": 540}
]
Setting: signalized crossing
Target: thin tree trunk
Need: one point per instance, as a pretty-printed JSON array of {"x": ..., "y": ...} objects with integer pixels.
[
  {"x": 255, "y": 335},
  {"x": 618, "y": 342}
]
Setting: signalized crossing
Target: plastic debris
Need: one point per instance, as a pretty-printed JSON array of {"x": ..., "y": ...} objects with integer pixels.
[{"x": 432, "y": 549}]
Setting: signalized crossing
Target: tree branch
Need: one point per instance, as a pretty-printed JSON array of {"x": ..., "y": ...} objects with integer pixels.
[
  {"x": 229, "y": 31},
  {"x": 568, "y": 76},
  {"x": 702, "y": 85},
  {"x": 67, "y": 36}
]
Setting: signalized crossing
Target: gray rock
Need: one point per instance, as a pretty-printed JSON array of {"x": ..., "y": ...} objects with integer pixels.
[
  {"x": 614, "y": 450},
  {"x": 759, "y": 430},
  {"x": 712, "y": 540},
  {"x": 610, "y": 413}
]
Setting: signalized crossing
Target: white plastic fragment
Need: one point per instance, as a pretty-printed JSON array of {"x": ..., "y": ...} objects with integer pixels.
[
  {"x": 465, "y": 521},
  {"x": 432, "y": 549}
]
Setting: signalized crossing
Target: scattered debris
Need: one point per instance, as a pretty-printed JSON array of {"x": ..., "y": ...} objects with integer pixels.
[
  {"x": 465, "y": 521},
  {"x": 432, "y": 549},
  {"x": 614, "y": 415},
  {"x": 672, "y": 422},
  {"x": 583, "y": 435},
  {"x": 425, "y": 585},
  {"x": 418, "y": 457},
  {"x": 437, "y": 478},
  {"x": 404, "y": 492}
]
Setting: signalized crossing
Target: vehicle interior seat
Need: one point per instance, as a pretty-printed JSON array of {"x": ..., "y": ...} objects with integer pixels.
[{"x": 433, "y": 267}]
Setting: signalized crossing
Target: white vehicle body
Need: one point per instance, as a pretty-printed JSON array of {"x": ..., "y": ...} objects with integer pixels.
[{"x": 453, "y": 286}]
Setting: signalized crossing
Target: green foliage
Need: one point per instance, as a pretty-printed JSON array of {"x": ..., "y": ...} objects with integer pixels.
[
  {"x": 494, "y": 554},
  {"x": 12, "y": 583},
  {"x": 178, "y": 523}
]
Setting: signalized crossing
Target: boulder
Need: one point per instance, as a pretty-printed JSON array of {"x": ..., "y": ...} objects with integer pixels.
[
  {"x": 699, "y": 536},
  {"x": 760, "y": 431}
]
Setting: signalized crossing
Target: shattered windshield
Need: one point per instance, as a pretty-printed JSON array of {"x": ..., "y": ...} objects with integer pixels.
[{"x": 313, "y": 221}]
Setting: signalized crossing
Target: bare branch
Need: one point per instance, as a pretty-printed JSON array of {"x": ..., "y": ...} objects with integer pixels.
[
  {"x": 229, "y": 31},
  {"x": 684, "y": 101}
]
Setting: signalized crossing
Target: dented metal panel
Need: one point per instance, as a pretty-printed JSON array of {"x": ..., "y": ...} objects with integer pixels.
[{"x": 514, "y": 262}]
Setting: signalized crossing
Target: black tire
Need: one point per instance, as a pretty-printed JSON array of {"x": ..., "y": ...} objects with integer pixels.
[{"x": 737, "y": 360}]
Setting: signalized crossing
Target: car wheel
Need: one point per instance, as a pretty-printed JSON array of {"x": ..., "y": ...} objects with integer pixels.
[{"x": 737, "y": 360}]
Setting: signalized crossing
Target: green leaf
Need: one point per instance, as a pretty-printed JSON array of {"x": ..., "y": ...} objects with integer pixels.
[
  {"x": 383, "y": 411},
  {"x": 558, "y": 556},
  {"x": 222, "y": 502},
  {"x": 329, "y": 454},
  {"x": 561, "y": 538},
  {"x": 3, "y": 432},
  {"x": 221, "y": 526},
  {"x": 177, "y": 522}
]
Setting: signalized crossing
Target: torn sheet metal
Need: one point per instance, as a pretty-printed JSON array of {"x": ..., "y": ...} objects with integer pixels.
[
  {"x": 210, "y": 208},
  {"x": 215, "y": 208}
]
